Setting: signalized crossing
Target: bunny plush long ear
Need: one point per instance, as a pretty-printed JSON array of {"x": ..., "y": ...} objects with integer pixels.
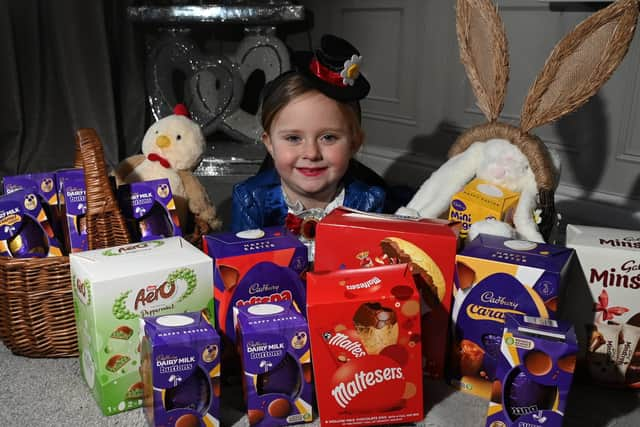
[
  {"x": 580, "y": 64},
  {"x": 483, "y": 52}
]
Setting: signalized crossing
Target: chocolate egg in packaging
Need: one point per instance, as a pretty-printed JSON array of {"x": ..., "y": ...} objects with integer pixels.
[
  {"x": 284, "y": 378},
  {"x": 30, "y": 240},
  {"x": 193, "y": 392},
  {"x": 523, "y": 395},
  {"x": 155, "y": 223}
]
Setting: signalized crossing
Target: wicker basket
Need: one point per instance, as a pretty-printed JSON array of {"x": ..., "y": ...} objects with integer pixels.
[{"x": 36, "y": 302}]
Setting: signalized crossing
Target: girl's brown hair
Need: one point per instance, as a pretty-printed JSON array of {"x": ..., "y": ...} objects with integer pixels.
[{"x": 291, "y": 85}]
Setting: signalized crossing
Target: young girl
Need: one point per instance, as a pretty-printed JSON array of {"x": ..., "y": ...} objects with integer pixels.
[{"x": 311, "y": 122}]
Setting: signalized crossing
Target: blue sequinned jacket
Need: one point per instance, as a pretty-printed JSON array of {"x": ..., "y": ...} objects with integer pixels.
[{"x": 258, "y": 201}]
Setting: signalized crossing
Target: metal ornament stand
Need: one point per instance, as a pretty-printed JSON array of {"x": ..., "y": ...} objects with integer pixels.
[{"x": 214, "y": 84}]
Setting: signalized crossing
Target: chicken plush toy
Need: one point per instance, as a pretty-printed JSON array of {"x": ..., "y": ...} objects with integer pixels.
[{"x": 172, "y": 148}]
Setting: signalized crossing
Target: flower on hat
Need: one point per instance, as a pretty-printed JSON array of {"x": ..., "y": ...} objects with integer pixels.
[
  {"x": 537, "y": 216},
  {"x": 351, "y": 70}
]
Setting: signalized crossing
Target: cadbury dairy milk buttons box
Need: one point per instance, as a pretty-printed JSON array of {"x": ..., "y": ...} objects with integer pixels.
[
  {"x": 534, "y": 373},
  {"x": 273, "y": 341},
  {"x": 605, "y": 302},
  {"x": 366, "y": 345},
  {"x": 112, "y": 289},
  {"x": 180, "y": 368},
  {"x": 149, "y": 209},
  {"x": 72, "y": 206},
  {"x": 496, "y": 276}
]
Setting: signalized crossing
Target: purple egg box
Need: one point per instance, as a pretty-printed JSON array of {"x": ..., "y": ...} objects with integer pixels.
[
  {"x": 72, "y": 202},
  {"x": 545, "y": 265},
  {"x": 495, "y": 276},
  {"x": 180, "y": 368},
  {"x": 149, "y": 209},
  {"x": 25, "y": 229},
  {"x": 47, "y": 189},
  {"x": 253, "y": 267},
  {"x": 534, "y": 372},
  {"x": 45, "y": 184},
  {"x": 273, "y": 341}
]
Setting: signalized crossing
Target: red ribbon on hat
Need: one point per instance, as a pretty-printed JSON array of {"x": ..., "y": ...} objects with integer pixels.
[
  {"x": 326, "y": 74},
  {"x": 158, "y": 158}
]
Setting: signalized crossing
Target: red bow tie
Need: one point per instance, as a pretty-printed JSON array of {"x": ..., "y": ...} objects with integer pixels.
[
  {"x": 305, "y": 227},
  {"x": 157, "y": 158}
]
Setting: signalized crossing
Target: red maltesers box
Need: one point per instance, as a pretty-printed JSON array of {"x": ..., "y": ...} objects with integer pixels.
[
  {"x": 364, "y": 326},
  {"x": 351, "y": 239}
]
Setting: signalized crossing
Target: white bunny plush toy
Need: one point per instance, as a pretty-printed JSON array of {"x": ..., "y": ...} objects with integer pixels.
[
  {"x": 497, "y": 161},
  {"x": 510, "y": 156}
]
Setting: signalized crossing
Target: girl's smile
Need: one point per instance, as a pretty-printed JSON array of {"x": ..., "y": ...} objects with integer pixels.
[{"x": 311, "y": 172}]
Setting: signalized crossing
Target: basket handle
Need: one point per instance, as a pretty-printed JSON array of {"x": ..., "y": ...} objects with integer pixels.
[{"x": 106, "y": 226}]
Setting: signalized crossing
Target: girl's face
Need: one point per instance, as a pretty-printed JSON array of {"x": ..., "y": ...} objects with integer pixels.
[{"x": 311, "y": 141}]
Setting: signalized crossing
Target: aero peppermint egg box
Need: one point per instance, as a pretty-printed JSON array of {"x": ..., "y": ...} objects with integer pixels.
[{"x": 112, "y": 289}]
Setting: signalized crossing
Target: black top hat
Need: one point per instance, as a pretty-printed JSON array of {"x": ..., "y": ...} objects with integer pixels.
[{"x": 334, "y": 69}]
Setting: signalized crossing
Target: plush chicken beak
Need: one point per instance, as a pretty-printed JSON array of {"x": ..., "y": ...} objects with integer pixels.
[{"x": 163, "y": 141}]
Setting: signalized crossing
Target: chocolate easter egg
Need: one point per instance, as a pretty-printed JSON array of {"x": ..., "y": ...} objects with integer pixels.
[
  {"x": 279, "y": 408},
  {"x": 283, "y": 378},
  {"x": 523, "y": 395},
  {"x": 156, "y": 222},
  {"x": 30, "y": 241},
  {"x": 192, "y": 392}
]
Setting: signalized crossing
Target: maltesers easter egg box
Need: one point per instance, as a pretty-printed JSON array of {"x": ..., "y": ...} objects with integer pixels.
[
  {"x": 366, "y": 346},
  {"x": 348, "y": 238},
  {"x": 112, "y": 289}
]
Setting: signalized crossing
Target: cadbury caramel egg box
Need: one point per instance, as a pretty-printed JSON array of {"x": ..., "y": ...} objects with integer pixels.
[
  {"x": 366, "y": 345},
  {"x": 273, "y": 342},
  {"x": 113, "y": 289},
  {"x": 496, "y": 276},
  {"x": 180, "y": 367}
]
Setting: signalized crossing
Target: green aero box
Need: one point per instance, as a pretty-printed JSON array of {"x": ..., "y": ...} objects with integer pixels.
[{"x": 112, "y": 289}]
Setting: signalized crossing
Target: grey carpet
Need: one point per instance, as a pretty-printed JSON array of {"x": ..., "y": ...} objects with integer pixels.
[{"x": 51, "y": 392}]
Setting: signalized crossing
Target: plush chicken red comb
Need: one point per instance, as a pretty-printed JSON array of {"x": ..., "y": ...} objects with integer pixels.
[{"x": 181, "y": 110}]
